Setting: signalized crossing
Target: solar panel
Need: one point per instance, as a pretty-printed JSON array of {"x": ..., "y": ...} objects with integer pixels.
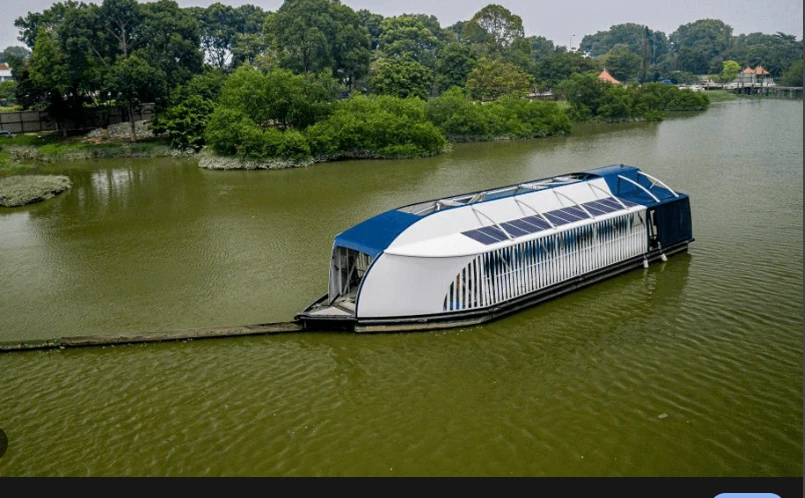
[
  {"x": 480, "y": 237},
  {"x": 557, "y": 218},
  {"x": 577, "y": 212},
  {"x": 602, "y": 207},
  {"x": 514, "y": 230},
  {"x": 493, "y": 232},
  {"x": 533, "y": 224},
  {"x": 609, "y": 201},
  {"x": 537, "y": 221},
  {"x": 524, "y": 226},
  {"x": 596, "y": 209}
]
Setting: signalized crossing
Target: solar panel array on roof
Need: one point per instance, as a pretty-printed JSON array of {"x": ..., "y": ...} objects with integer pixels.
[{"x": 533, "y": 224}]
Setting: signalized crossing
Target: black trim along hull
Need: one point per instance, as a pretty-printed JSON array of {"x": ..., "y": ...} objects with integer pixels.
[{"x": 475, "y": 317}]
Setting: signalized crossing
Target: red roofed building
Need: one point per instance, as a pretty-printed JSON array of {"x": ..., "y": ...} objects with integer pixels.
[
  {"x": 751, "y": 76},
  {"x": 5, "y": 72},
  {"x": 605, "y": 76}
]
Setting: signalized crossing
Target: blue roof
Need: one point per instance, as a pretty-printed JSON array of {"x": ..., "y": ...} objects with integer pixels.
[
  {"x": 629, "y": 191},
  {"x": 374, "y": 235}
]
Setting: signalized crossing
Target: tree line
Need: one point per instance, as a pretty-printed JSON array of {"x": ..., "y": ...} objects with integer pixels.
[{"x": 278, "y": 79}]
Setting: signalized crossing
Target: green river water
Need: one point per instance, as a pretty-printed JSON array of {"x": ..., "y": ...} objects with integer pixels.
[{"x": 693, "y": 367}]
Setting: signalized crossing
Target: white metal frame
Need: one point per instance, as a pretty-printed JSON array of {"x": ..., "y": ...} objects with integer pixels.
[
  {"x": 656, "y": 181},
  {"x": 574, "y": 202},
  {"x": 644, "y": 189},
  {"x": 539, "y": 213},
  {"x": 477, "y": 212},
  {"x": 593, "y": 186}
]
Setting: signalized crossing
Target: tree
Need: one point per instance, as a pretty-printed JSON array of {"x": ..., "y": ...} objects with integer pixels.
[
  {"x": 492, "y": 79},
  {"x": 8, "y": 91},
  {"x": 401, "y": 77},
  {"x": 374, "y": 25},
  {"x": 622, "y": 63},
  {"x": 586, "y": 94},
  {"x": 774, "y": 52},
  {"x": 540, "y": 47},
  {"x": 793, "y": 77},
  {"x": 629, "y": 34},
  {"x": 279, "y": 98},
  {"x": 407, "y": 36},
  {"x": 729, "y": 71},
  {"x": 50, "y": 78},
  {"x": 313, "y": 35},
  {"x": 169, "y": 40},
  {"x": 221, "y": 27},
  {"x": 21, "y": 54},
  {"x": 697, "y": 43},
  {"x": 134, "y": 81},
  {"x": 559, "y": 66},
  {"x": 93, "y": 38},
  {"x": 432, "y": 24},
  {"x": 455, "y": 63},
  {"x": 493, "y": 29},
  {"x": 247, "y": 47},
  {"x": 185, "y": 119}
]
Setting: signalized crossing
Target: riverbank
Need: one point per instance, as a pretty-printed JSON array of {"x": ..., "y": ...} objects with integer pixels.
[
  {"x": 25, "y": 151},
  {"x": 27, "y": 189},
  {"x": 721, "y": 96}
]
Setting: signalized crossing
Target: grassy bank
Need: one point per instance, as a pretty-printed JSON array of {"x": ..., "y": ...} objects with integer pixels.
[
  {"x": 24, "y": 151},
  {"x": 720, "y": 95},
  {"x": 27, "y": 189},
  {"x": 30, "y": 150}
]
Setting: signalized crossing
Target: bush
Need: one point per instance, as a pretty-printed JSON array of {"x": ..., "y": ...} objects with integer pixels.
[
  {"x": 230, "y": 132},
  {"x": 383, "y": 126},
  {"x": 458, "y": 117},
  {"x": 185, "y": 122},
  {"x": 461, "y": 119},
  {"x": 591, "y": 99}
]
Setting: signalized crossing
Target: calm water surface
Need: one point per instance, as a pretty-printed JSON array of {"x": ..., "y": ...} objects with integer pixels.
[{"x": 691, "y": 368}]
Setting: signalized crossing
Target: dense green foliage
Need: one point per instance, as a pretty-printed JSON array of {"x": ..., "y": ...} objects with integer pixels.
[
  {"x": 310, "y": 36},
  {"x": 455, "y": 64},
  {"x": 8, "y": 90},
  {"x": 120, "y": 51},
  {"x": 793, "y": 77},
  {"x": 279, "y": 98},
  {"x": 317, "y": 78},
  {"x": 462, "y": 119},
  {"x": 259, "y": 116},
  {"x": 729, "y": 71},
  {"x": 492, "y": 79},
  {"x": 382, "y": 126},
  {"x": 629, "y": 34},
  {"x": 696, "y": 48},
  {"x": 622, "y": 63},
  {"x": 407, "y": 36},
  {"x": 401, "y": 77},
  {"x": 593, "y": 99},
  {"x": 226, "y": 31},
  {"x": 14, "y": 54}
]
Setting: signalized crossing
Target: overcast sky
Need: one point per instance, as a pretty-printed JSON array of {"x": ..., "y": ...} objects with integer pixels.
[{"x": 559, "y": 21}]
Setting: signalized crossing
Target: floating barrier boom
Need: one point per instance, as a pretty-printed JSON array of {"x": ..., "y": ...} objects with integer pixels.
[{"x": 171, "y": 335}]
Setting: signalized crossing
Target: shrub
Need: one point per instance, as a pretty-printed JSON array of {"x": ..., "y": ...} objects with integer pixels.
[
  {"x": 185, "y": 122},
  {"x": 383, "y": 126},
  {"x": 459, "y": 118}
]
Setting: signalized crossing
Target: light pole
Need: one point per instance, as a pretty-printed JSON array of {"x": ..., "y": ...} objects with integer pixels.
[{"x": 570, "y": 48}]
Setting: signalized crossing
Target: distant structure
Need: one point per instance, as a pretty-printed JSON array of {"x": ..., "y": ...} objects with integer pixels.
[
  {"x": 5, "y": 72},
  {"x": 752, "y": 76},
  {"x": 605, "y": 76}
]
